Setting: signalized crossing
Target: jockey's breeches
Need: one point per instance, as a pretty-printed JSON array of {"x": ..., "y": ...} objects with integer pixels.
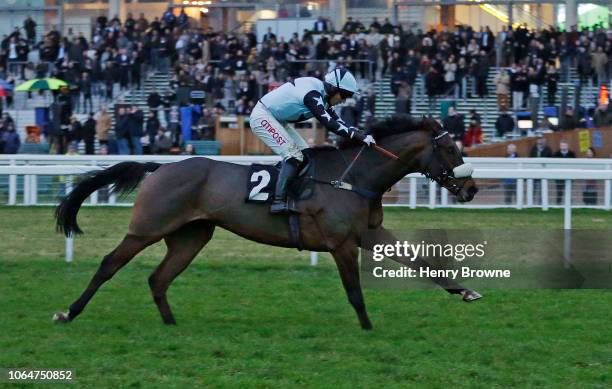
[{"x": 283, "y": 139}]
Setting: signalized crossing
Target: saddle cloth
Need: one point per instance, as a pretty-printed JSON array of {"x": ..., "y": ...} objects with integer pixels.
[{"x": 261, "y": 182}]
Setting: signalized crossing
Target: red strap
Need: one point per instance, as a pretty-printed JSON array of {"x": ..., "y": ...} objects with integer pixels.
[{"x": 385, "y": 152}]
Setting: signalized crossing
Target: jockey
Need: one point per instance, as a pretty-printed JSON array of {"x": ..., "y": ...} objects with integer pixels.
[{"x": 296, "y": 101}]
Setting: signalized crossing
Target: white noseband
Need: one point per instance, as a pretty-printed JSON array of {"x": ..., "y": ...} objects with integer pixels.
[{"x": 463, "y": 171}]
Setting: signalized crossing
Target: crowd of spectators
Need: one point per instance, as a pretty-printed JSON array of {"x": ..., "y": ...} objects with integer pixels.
[{"x": 234, "y": 70}]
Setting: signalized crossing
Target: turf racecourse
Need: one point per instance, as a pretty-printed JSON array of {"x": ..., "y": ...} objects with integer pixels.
[{"x": 254, "y": 316}]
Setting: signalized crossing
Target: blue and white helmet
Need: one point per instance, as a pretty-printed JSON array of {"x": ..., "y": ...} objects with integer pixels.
[{"x": 340, "y": 79}]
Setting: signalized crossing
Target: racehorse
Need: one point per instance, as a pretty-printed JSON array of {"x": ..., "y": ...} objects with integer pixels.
[{"x": 183, "y": 202}]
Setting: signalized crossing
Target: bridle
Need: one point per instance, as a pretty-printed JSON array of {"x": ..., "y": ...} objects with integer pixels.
[{"x": 447, "y": 173}]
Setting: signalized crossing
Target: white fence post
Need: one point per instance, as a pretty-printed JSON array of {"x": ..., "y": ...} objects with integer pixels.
[
  {"x": 432, "y": 194},
  {"x": 520, "y": 192},
  {"x": 12, "y": 200},
  {"x": 607, "y": 189},
  {"x": 34, "y": 189},
  {"x": 544, "y": 190},
  {"x": 26, "y": 189},
  {"x": 68, "y": 185},
  {"x": 443, "y": 197},
  {"x": 69, "y": 248},
  {"x": 93, "y": 199},
  {"x": 567, "y": 214},
  {"x": 314, "y": 258},
  {"x": 413, "y": 192},
  {"x": 530, "y": 192}
]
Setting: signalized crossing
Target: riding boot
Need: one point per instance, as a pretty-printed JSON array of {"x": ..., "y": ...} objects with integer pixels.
[{"x": 288, "y": 171}]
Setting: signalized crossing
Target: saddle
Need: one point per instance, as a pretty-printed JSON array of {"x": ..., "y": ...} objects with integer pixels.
[{"x": 261, "y": 182}]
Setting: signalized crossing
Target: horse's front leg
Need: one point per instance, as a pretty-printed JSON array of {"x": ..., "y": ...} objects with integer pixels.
[
  {"x": 346, "y": 257},
  {"x": 384, "y": 236}
]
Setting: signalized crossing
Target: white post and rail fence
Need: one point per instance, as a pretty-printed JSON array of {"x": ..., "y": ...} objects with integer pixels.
[{"x": 524, "y": 173}]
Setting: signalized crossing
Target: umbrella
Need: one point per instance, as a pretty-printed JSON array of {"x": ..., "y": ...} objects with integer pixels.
[{"x": 41, "y": 84}]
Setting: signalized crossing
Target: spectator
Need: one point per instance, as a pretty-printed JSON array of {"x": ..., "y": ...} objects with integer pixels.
[
  {"x": 599, "y": 59},
  {"x": 504, "y": 123},
  {"x": 474, "y": 135},
  {"x": 85, "y": 92},
  {"x": 540, "y": 149},
  {"x": 603, "y": 116},
  {"x": 103, "y": 126},
  {"x": 11, "y": 140},
  {"x": 509, "y": 183},
  {"x": 320, "y": 25},
  {"x": 152, "y": 128},
  {"x": 154, "y": 101},
  {"x": 569, "y": 121},
  {"x": 552, "y": 78},
  {"x": 29, "y": 25},
  {"x": 122, "y": 131},
  {"x": 519, "y": 87},
  {"x": 75, "y": 131},
  {"x": 453, "y": 123},
  {"x": 89, "y": 133},
  {"x": 162, "y": 142},
  {"x": 174, "y": 125},
  {"x": 269, "y": 35},
  {"x": 482, "y": 72},
  {"x": 189, "y": 150},
  {"x": 502, "y": 88},
  {"x": 475, "y": 116},
  {"x": 135, "y": 129},
  {"x": 563, "y": 152}
]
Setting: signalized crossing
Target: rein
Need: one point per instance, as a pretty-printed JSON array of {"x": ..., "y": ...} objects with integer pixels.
[{"x": 340, "y": 184}]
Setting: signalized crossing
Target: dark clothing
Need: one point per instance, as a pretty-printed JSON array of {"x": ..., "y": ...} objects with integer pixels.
[
  {"x": 545, "y": 152},
  {"x": 504, "y": 124},
  {"x": 11, "y": 142},
  {"x": 455, "y": 126},
  {"x": 135, "y": 124},
  {"x": 328, "y": 118},
  {"x": 122, "y": 126},
  {"x": 88, "y": 135},
  {"x": 568, "y": 154}
]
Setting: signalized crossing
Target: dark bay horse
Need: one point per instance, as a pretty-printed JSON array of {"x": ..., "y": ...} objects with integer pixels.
[{"x": 183, "y": 202}]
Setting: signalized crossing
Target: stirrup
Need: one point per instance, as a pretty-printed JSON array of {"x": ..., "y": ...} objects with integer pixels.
[{"x": 283, "y": 207}]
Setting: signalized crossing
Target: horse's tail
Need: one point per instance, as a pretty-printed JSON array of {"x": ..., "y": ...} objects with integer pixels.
[{"x": 124, "y": 177}]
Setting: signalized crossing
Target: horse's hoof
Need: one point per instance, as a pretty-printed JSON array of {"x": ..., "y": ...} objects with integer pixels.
[
  {"x": 470, "y": 295},
  {"x": 61, "y": 317}
]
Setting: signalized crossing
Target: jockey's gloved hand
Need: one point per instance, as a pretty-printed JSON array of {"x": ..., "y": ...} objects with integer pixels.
[{"x": 363, "y": 137}]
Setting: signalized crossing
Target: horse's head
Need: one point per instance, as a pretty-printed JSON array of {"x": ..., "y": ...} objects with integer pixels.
[{"x": 442, "y": 162}]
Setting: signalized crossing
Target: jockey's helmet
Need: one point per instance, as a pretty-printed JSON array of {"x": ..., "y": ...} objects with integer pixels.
[{"x": 340, "y": 80}]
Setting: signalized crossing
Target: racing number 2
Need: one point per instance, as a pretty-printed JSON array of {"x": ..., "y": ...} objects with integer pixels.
[{"x": 256, "y": 193}]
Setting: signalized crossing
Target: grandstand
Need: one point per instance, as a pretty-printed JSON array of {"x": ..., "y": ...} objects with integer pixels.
[{"x": 234, "y": 61}]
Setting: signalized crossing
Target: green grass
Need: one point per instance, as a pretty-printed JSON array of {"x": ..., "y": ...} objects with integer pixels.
[{"x": 255, "y": 316}]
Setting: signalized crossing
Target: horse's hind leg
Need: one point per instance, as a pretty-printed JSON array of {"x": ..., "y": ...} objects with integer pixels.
[
  {"x": 183, "y": 245},
  {"x": 121, "y": 255}
]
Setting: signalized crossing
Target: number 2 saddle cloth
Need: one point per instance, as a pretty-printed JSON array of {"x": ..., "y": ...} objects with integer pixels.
[{"x": 261, "y": 182}]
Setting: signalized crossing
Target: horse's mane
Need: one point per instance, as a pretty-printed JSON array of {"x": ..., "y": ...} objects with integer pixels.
[{"x": 396, "y": 124}]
